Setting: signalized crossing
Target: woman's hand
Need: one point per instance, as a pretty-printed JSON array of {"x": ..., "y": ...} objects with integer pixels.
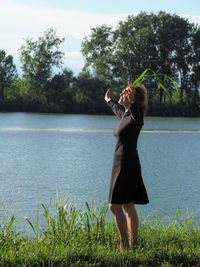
[
  {"x": 130, "y": 93},
  {"x": 107, "y": 95}
]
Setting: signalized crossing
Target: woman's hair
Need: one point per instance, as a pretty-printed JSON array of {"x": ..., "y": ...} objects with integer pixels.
[{"x": 141, "y": 97}]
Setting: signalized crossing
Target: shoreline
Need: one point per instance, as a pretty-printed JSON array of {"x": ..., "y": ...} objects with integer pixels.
[
  {"x": 154, "y": 110},
  {"x": 74, "y": 237}
]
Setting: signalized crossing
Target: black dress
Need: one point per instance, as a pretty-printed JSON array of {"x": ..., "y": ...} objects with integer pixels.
[{"x": 126, "y": 182}]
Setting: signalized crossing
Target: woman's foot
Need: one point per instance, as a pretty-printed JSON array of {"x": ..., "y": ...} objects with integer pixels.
[
  {"x": 123, "y": 246},
  {"x": 133, "y": 245}
]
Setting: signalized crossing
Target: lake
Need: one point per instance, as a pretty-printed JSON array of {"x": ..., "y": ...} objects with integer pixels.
[{"x": 41, "y": 154}]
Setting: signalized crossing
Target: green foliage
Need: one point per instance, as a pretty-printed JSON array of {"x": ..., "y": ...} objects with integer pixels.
[
  {"x": 17, "y": 91},
  {"x": 156, "y": 77},
  {"x": 99, "y": 46},
  {"x": 160, "y": 50},
  {"x": 59, "y": 90},
  {"x": 87, "y": 236},
  {"x": 161, "y": 42},
  {"x": 88, "y": 93},
  {"x": 7, "y": 72},
  {"x": 38, "y": 59}
]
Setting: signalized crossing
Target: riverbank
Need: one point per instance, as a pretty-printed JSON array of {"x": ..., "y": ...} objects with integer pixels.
[
  {"x": 88, "y": 237},
  {"x": 161, "y": 110}
]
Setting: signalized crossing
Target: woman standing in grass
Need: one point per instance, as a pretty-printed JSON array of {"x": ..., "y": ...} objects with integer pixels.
[{"x": 126, "y": 184}]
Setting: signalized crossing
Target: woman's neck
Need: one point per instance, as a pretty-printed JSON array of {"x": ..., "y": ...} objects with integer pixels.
[{"x": 127, "y": 107}]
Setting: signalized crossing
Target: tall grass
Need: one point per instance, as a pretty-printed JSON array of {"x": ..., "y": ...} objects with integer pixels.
[{"x": 87, "y": 236}]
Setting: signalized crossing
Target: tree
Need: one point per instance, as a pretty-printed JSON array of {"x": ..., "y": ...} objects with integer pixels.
[
  {"x": 8, "y": 72},
  {"x": 98, "y": 52},
  {"x": 16, "y": 92},
  {"x": 60, "y": 89},
  {"x": 38, "y": 60},
  {"x": 195, "y": 75},
  {"x": 88, "y": 94},
  {"x": 161, "y": 42}
]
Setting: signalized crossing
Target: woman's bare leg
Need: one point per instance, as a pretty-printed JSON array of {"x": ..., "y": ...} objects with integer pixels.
[
  {"x": 121, "y": 223},
  {"x": 132, "y": 221}
]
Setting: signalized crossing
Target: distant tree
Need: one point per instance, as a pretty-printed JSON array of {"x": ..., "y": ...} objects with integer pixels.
[
  {"x": 161, "y": 42},
  {"x": 195, "y": 75},
  {"x": 60, "y": 88},
  {"x": 16, "y": 91},
  {"x": 38, "y": 60},
  {"x": 98, "y": 50},
  {"x": 8, "y": 72},
  {"x": 87, "y": 93}
]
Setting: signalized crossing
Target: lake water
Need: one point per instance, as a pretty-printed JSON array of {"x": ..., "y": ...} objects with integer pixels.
[{"x": 41, "y": 154}]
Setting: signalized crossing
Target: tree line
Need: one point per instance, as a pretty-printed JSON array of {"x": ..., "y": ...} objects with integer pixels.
[{"x": 167, "y": 44}]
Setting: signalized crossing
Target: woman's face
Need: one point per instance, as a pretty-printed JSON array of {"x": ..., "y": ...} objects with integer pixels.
[{"x": 123, "y": 99}]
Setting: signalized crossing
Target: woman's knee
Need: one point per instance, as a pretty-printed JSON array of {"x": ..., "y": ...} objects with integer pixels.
[
  {"x": 129, "y": 208},
  {"x": 115, "y": 208}
]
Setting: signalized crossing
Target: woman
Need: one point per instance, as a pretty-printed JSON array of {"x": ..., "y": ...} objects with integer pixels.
[{"x": 126, "y": 184}]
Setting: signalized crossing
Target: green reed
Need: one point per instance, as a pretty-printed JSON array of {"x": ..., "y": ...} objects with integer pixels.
[
  {"x": 158, "y": 78},
  {"x": 87, "y": 236}
]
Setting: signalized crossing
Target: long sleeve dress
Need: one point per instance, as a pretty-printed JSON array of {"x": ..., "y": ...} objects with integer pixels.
[{"x": 126, "y": 183}]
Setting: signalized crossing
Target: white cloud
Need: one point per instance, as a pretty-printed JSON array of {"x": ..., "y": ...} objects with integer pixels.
[
  {"x": 193, "y": 19},
  {"x": 75, "y": 65},
  {"x": 74, "y": 60},
  {"x": 75, "y": 54},
  {"x": 20, "y": 21}
]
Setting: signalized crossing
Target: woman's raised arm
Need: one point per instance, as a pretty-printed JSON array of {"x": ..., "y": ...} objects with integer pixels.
[{"x": 115, "y": 108}]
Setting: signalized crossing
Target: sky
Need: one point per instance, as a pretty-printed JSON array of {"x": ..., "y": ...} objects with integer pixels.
[{"x": 73, "y": 19}]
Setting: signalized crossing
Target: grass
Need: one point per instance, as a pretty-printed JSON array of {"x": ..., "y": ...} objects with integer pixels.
[{"x": 88, "y": 237}]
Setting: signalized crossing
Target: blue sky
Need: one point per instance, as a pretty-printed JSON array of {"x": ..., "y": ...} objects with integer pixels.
[
  {"x": 20, "y": 19},
  {"x": 191, "y": 7}
]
